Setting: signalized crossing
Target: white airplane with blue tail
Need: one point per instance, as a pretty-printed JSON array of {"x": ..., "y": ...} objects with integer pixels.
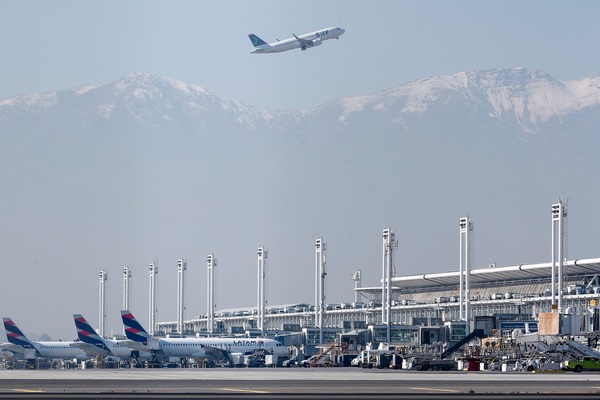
[{"x": 303, "y": 42}]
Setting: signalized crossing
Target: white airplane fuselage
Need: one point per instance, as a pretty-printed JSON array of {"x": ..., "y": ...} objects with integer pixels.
[
  {"x": 302, "y": 41},
  {"x": 199, "y": 347},
  {"x": 62, "y": 350}
]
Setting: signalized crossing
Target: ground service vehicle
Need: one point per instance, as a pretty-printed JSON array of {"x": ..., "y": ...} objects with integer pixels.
[
  {"x": 293, "y": 362},
  {"x": 317, "y": 360},
  {"x": 588, "y": 363},
  {"x": 254, "y": 361},
  {"x": 427, "y": 364}
]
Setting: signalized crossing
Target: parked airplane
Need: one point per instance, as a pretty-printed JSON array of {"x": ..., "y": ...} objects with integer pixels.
[
  {"x": 304, "y": 42},
  {"x": 197, "y": 347},
  {"x": 55, "y": 349},
  {"x": 91, "y": 342}
]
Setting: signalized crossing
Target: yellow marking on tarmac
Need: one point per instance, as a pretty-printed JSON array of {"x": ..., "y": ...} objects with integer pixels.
[
  {"x": 244, "y": 390},
  {"x": 550, "y": 371},
  {"x": 28, "y": 390},
  {"x": 437, "y": 390}
]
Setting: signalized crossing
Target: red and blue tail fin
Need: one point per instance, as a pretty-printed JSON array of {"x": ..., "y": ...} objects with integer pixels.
[
  {"x": 133, "y": 330},
  {"x": 15, "y": 336},
  {"x": 87, "y": 334}
]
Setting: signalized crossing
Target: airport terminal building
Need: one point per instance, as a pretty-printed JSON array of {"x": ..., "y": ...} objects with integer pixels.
[{"x": 426, "y": 308}]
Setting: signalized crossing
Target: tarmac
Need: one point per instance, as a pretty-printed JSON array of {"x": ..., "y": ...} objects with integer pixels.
[{"x": 293, "y": 383}]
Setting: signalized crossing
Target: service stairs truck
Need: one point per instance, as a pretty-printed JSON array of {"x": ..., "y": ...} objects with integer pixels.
[{"x": 426, "y": 362}]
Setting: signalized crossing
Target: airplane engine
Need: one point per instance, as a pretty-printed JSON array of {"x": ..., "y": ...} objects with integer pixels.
[
  {"x": 316, "y": 42},
  {"x": 6, "y": 354}
]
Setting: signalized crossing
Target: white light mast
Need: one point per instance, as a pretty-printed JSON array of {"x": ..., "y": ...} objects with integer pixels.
[
  {"x": 357, "y": 283},
  {"x": 153, "y": 268},
  {"x": 126, "y": 277},
  {"x": 559, "y": 215},
  {"x": 261, "y": 299},
  {"x": 320, "y": 261},
  {"x": 466, "y": 227},
  {"x": 211, "y": 263},
  {"x": 102, "y": 309},
  {"x": 389, "y": 242},
  {"x": 181, "y": 268}
]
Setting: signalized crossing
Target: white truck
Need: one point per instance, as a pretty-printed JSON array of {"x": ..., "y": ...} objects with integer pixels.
[
  {"x": 273, "y": 360},
  {"x": 317, "y": 360}
]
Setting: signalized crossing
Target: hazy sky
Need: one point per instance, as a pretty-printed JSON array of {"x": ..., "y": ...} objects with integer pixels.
[{"x": 52, "y": 45}]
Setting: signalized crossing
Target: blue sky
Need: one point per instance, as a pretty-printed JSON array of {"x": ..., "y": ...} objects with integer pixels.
[{"x": 53, "y": 45}]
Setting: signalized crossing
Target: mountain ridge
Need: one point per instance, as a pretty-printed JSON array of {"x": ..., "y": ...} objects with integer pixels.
[
  {"x": 534, "y": 98},
  {"x": 518, "y": 95}
]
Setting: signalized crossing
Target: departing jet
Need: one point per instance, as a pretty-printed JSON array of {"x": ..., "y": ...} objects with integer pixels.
[
  {"x": 304, "y": 42},
  {"x": 91, "y": 342},
  {"x": 55, "y": 349},
  {"x": 197, "y": 347}
]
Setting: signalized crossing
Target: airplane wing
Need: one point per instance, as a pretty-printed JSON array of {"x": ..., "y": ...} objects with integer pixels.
[
  {"x": 13, "y": 348},
  {"x": 133, "y": 345},
  {"x": 303, "y": 42},
  {"x": 90, "y": 349}
]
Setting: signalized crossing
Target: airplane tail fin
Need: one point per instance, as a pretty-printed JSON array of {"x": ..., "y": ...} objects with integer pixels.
[
  {"x": 256, "y": 41},
  {"x": 15, "y": 336},
  {"x": 87, "y": 334},
  {"x": 133, "y": 330}
]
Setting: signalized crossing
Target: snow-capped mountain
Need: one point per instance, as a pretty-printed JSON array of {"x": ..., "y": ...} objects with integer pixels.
[
  {"x": 520, "y": 97},
  {"x": 144, "y": 99},
  {"x": 121, "y": 173}
]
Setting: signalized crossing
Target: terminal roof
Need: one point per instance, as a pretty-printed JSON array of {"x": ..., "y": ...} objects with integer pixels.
[{"x": 493, "y": 274}]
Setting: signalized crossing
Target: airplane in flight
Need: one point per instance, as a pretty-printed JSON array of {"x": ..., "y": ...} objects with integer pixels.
[
  {"x": 46, "y": 349},
  {"x": 303, "y": 42},
  {"x": 91, "y": 342},
  {"x": 197, "y": 347}
]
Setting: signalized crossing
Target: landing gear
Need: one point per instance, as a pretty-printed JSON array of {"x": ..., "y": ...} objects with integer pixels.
[{"x": 303, "y": 48}]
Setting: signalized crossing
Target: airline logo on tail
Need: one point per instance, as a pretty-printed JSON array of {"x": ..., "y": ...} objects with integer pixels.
[
  {"x": 15, "y": 336},
  {"x": 256, "y": 41},
  {"x": 87, "y": 334},
  {"x": 133, "y": 330}
]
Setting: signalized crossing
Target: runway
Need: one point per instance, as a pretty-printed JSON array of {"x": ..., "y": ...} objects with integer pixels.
[{"x": 294, "y": 383}]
